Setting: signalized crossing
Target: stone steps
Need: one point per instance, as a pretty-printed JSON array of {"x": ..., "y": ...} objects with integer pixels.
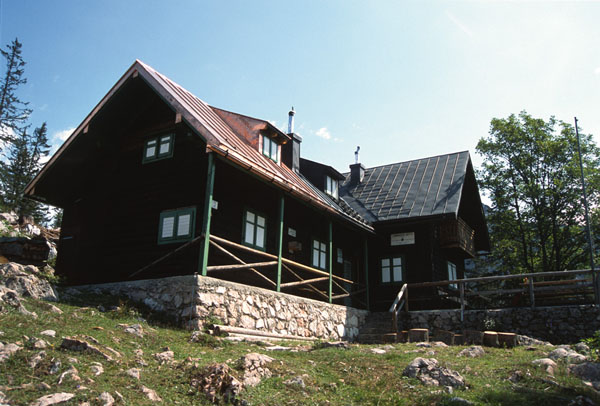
[{"x": 377, "y": 329}]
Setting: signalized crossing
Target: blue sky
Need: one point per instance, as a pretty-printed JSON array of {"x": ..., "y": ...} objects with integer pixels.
[{"x": 402, "y": 79}]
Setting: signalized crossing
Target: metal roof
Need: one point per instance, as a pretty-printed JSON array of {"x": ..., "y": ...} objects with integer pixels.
[{"x": 419, "y": 188}]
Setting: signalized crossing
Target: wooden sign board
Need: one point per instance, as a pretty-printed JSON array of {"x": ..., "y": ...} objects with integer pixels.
[{"x": 402, "y": 239}]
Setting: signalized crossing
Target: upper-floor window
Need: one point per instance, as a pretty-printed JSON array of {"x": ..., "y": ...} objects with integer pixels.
[
  {"x": 331, "y": 187},
  {"x": 270, "y": 148},
  {"x": 452, "y": 275},
  {"x": 254, "y": 230},
  {"x": 158, "y": 148},
  {"x": 176, "y": 225},
  {"x": 392, "y": 269}
]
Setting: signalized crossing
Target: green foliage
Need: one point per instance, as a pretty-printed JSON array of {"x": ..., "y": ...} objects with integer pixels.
[
  {"x": 594, "y": 344},
  {"x": 8, "y": 230},
  {"x": 531, "y": 174}
]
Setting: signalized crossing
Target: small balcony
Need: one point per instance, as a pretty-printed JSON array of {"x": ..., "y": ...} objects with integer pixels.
[{"x": 458, "y": 235}]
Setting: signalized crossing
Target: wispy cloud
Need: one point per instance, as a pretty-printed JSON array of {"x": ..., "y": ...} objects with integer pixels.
[
  {"x": 63, "y": 135},
  {"x": 597, "y": 70},
  {"x": 324, "y": 133},
  {"x": 459, "y": 24}
]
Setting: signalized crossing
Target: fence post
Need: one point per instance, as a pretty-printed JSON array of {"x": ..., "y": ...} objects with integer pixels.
[
  {"x": 462, "y": 301},
  {"x": 531, "y": 294}
]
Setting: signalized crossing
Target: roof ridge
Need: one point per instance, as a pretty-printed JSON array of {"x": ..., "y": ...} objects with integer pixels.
[{"x": 414, "y": 160}]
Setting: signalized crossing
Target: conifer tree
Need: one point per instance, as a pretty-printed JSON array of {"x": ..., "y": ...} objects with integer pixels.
[{"x": 13, "y": 111}]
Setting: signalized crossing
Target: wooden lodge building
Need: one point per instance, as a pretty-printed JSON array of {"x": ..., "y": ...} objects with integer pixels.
[{"x": 155, "y": 182}]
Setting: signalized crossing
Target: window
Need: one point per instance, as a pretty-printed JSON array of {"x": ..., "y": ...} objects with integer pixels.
[
  {"x": 158, "y": 148},
  {"x": 254, "y": 230},
  {"x": 392, "y": 270},
  {"x": 331, "y": 187},
  {"x": 270, "y": 148},
  {"x": 319, "y": 254},
  {"x": 340, "y": 256},
  {"x": 452, "y": 274},
  {"x": 176, "y": 225}
]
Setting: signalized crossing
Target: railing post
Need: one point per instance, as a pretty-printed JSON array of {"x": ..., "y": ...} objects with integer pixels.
[
  {"x": 366, "y": 248},
  {"x": 406, "y": 294},
  {"x": 531, "y": 294},
  {"x": 280, "y": 242},
  {"x": 210, "y": 182},
  {"x": 330, "y": 260},
  {"x": 462, "y": 301}
]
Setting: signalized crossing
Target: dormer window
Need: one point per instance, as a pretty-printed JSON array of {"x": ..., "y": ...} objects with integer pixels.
[
  {"x": 331, "y": 187},
  {"x": 270, "y": 148}
]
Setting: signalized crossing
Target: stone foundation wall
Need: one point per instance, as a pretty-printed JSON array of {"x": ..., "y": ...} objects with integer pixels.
[
  {"x": 190, "y": 299},
  {"x": 559, "y": 325}
]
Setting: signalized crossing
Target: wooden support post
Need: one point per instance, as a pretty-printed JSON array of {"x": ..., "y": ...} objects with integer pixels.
[
  {"x": 531, "y": 294},
  {"x": 280, "y": 242},
  {"x": 462, "y": 301},
  {"x": 366, "y": 254},
  {"x": 330, "y": 261},
  {"x": 210, "y": 182}
]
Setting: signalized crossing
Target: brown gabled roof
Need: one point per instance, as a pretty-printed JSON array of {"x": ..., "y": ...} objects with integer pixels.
[{"x": 220, "y": 138}]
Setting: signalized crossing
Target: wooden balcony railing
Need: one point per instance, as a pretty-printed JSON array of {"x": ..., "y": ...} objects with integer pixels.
[{"x": 457, "y": 234}]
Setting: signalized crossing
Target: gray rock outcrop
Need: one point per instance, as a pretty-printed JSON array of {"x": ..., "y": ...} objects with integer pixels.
[{"x": 429, "y": 372}]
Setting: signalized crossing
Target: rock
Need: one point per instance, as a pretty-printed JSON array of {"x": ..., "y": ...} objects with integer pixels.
[
  {"x": 54, "y": 367},
  {"x": 296, "y": 381},
  {"x": 378, "y": 351},
  {"x": 39, "y": 344},
  {"x": 135, "y": 329},
  {"x": 134, "y": 373},
  {"x": 151, "y": 394},
  {"x": 25, "y": 283},
  {"x": 582, "y": 348},
  {"x": 34, "y": 362},
  {"x": 581, "y": 401},
  {"x": 6, "y": 351},
  {"x": 216, "y": 381},
  {"x": 423, "y": 345},
  {"x": 53, "y": 399},
  {"x": 277, "y": 348},
  {"x": 42, "y": 386},
  {"x": 587, "y": 371},
  {"x": 53, "y": 309},
  {"x": 76, "y": 344},
  {"x": 440, "y": 344},
  {"x": 472, "y": 352},
  {"x": 334, "y": 344},
  {"x": 456, "y": 401},
  {"x": 527, "y": 341},
  {"x": 106, "y": 399},
  {"x": 71, "y": 372},
  {"x": 97, "y": 369},
  {"x": 254, "y": 367},
  {"x": 49, "y": 333},
  {"x": 568, "y": 355},
  {"x": 546, "y": 363},
  {"x": 165, "y": 357},
  {"x": 429, "y": 373}
]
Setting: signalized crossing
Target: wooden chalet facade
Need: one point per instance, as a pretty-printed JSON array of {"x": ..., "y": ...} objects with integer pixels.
[{"x": 155, "y": 182}]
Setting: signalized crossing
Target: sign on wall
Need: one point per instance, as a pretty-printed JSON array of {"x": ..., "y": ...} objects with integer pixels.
[{"x": 402, "y": 239}]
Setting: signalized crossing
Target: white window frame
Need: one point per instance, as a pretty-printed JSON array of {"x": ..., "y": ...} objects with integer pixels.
[
  {"x": 452, "y": 275},
  {"x": 176, "y": 225},
  {"x": 156, "y": 147},
  {"x": 393, "y": 269},
  {"x": 254, "y": 231},
  {"x": 318, "y": 257},
  {"x": 331, "y": 186},
  {"x": 270, "y": 148}
]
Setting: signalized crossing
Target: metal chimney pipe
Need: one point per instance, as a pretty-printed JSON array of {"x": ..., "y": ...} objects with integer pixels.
[{"x": 291, "y": 121}]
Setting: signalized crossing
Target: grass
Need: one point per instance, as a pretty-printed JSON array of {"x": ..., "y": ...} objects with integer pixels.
[{"x": 333, "y": 376}]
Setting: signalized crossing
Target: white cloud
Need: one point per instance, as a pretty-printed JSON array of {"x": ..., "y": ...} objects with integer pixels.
[
  {"x": 597, "y": 70},
  {"x": 324, "y": 133},
  {"x": 459, "y": 24},
  {"x": 63, "y": 135}
]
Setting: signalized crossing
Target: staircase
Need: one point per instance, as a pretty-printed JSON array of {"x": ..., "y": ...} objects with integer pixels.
[{"x": 377, "y": 329}]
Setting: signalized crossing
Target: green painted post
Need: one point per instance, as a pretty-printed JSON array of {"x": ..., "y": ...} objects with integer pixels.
[
  {"x": 367, "y": 272},
  {"x": 280, "y": 242},
  {"x": 210, "y": 182},
  {"x": 330, "y": 261}
]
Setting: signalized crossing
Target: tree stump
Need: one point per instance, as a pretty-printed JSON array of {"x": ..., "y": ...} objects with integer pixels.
[
  {"x": 417, "y": 335},
  {"x": 459, "y": 339},
  {"x": 473, "y": 337},
  {"x": 447, "y": 337},
  {"x": 490, "y": 338},
  {"x": 508, "y": 340}
]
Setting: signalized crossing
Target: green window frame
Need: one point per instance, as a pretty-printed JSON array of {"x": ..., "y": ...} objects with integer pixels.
[
  {"x": 393, "y": 269},
  {"x": 270, "y": 148},
  {"x": 452, "y": 275},
  {"x": 254, "y": 230},
  {"x": 331, "y": 187},
  {"x": 176, "y": 225},
  {"x": 319, "y": 254},
  {"x": 157, "y": 148}
]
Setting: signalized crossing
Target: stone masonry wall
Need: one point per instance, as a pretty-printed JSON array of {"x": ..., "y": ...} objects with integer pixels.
[
  {"x": 559, "y": 325},
  {"x": 190, "y": 299}
]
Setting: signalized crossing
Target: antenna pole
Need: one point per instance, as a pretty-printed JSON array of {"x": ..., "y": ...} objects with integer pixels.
[{"x": 587, "y": 219}]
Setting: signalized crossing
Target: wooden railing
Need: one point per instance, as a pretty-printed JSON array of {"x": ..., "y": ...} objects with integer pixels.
[
  {"x": 527, "y": 286},
  {"x": 457, "y": 234},
  {"x": 399, "y": 302}
]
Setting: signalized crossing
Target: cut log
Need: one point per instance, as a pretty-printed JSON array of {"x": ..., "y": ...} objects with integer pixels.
[
  {"x": 417, "y": 335},
  {"x": 473, "y": 337},
  {"x": 490, "y": 338},
  {"x": 508, "y": 340},
  {"x": 259, "y": 333}
]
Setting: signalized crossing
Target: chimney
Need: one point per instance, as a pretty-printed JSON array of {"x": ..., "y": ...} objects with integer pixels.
[
  {"x": 290, "y": 152},
  {"x": 357, "y": 170},
  {"x": 291, "y": 121}
]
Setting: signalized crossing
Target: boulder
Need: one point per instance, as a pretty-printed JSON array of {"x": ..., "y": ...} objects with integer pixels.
[
  {"x": 546, "y": 363},
  {"x": 165, "y": 357},
  {"x": 106, "y": 399},
  {"x": 53, "y": 399},
  {"x": 151, "y": 394},
  {"x": 254, "y": 367},
  {"x": 568, "y": 355},
  {"x": 587, "y": 371},
  {"x": 472, "y": 352},
  {"x": 217, "y": 381},
  {"x": 24, "y": 281},
  {"x": 6, "y": 351},
  {"x": 77, "y": 344},
  {"x": 429, "y": 372}
]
